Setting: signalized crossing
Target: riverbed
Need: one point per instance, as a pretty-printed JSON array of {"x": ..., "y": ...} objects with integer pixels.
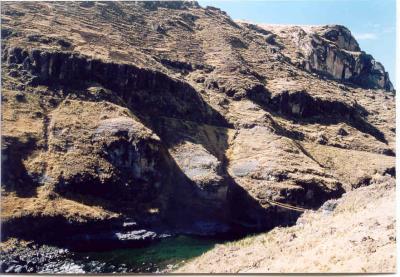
[{"x": 159, "y": 256}]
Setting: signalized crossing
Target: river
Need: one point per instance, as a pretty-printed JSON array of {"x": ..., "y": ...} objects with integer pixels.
[{"x": 159, "y": 256}]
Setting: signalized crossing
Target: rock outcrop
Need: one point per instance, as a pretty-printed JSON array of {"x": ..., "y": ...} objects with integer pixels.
[
  {"x": 131, "y": 111},
  {"x": 333, "y": 52},
  {"x": 167, "y": 96}
]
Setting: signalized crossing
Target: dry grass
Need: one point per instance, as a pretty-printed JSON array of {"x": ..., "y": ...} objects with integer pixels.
[
  {"x": 340, "y": 162},
  {"x": 321, "y": 243},
  {"x": 13, "y": 243},
  {"x": 21, "y": 118},
  {"x": 359, "y": 236},
  {"x": 42, "y": 205}
]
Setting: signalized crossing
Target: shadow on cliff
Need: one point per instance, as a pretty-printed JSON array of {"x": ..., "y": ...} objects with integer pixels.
[
  {"x": 14, "y": 175},
  {"x": 186, "y": 208},
  {"x": 303, "y": 109},
  {"x": 245, "y": 213},
  {"x": 181, "y": 211},
  {"x": 151, "y": 96}
]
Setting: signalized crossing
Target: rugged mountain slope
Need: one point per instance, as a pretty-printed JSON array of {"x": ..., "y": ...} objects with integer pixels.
[
  {"x": 354, "y": 234},
  {"x": 176, "y": 117}
]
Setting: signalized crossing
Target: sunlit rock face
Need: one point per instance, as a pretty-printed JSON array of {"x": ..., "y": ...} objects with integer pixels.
[
  {"x": 332, "y": 51},
  {"x": 341, "y": 36}
]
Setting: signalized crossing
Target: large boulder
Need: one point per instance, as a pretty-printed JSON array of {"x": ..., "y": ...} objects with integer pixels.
[{"x": 204, "y": 169}]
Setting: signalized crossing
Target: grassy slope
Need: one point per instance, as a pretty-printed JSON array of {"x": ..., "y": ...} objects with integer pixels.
[{"x": 358, "y": 236}]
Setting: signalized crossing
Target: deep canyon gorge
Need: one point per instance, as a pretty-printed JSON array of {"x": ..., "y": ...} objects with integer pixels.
[{"x": 129, "y": 123}]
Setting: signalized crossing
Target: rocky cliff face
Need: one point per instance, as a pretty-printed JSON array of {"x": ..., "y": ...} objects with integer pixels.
[
  {"x": 333, "y": 52},
  {"x": 121, "y": 111}
]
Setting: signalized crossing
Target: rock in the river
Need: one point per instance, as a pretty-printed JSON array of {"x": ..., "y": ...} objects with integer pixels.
[{"x": 136, "y": 235}]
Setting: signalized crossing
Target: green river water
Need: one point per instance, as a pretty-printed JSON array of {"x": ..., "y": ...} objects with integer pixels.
[{"x": 158, "y": 256}]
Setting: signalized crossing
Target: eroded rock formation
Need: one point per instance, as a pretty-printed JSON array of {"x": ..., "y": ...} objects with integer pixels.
[
  {"x": 130, "y": 111},
  {"x": 332, "y": 51}
]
